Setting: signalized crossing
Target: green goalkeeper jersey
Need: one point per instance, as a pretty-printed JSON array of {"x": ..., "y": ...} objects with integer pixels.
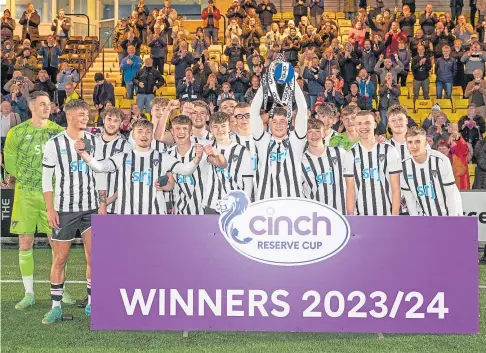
[{"x": 23, "y": 153}]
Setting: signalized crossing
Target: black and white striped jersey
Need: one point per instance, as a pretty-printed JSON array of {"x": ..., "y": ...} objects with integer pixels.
[
  {"x": 105, "y": 150},
  {"x": 322, "y": 178},
  {"x": 249, "y": 143},
  {"x": 188, "y": 191},
  {"x": 371, "y": 171},
  {"x": 430, "y": 186},
  {"x": 402, "y": 148},
  {"x": 155, "y": 145},
  {"x": 202, "y": 140},
  {"x": 75, "y": 189},
  {"x": 138, "y": 172},
  {"x": 279, "y": 166},
  {"x": 238, "y": 174}
]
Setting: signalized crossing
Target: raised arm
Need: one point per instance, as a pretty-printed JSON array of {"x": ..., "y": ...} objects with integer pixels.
[
  {"x": 301, "y": 117},
  {"x": 257, "y": 128}
]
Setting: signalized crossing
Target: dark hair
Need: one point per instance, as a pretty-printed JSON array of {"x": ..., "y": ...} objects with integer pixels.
[
  {"x": 280, "y": 112},
  {"x": 219, "y": 118},
  {"x": 99, "y": 76},
  {"x": 326, "y": 110},
  {"x": 227, "y": 99},
  {"x": 75, "y": 104},
  {"x": 181, "y": 120},
  {"x": 314, "y": 124},
  {"x": 33, "y": 96},
  {"x": 396, "y": 109},
  {"x": 113, "y": 112}
]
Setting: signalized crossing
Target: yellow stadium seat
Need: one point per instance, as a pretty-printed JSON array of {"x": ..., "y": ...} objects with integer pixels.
[
  {"x": 168, "y": 91},
  {"x": 407, "y": 103},
  {"x": 421, "y": 115},
  {"x": 405, "y": 92},
  {"x": 453, "y": 117},
  {"x": 457, "y": 91},
  {"x": 147, "y": 116},
  {"x": 331, "y": 15},
  {"x": 423, "y": 104},
  {"x": 344, "y": 23},
  {"x": 432, "y": 78},
  {"x": 461, "y": 112},
  {"x": 472, "y": 169},
  {"x": 432, "y": 91},
  {"x": 120, "y": 92},
  {"x": 215, "y": 49},
  {"x": 344, "y": 30},
  {"x": 169, "y": 80},
  {"x": 460, "y": 103},
  {"x": 340, "y": 15},
  {"x": 126, "y": 103},
  {"x": 344, "y": 38},
  {"x": 444, "y": 103}
]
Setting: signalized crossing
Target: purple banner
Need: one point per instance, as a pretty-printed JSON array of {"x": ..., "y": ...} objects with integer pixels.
[{"x": 388, "y": 274}]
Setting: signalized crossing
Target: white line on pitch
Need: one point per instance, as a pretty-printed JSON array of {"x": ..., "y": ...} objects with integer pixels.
[{"x": 39, "y": 281}]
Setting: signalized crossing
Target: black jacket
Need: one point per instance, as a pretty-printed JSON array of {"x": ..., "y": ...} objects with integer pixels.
[
  {"x": 59, "y": 118},
  {"x": 103, "y": 93},
  {"x": 210, "y": 95},
  {"x": 234, "y": 55},
  {"x": 158, "y": 47},
  {"x": 472, "y": 135},
  {"x": 348, "y": 67},
  {"x": 239, "y": 84},
  {"x": 188, "y": 92},
  {"x": 181, "y": 64},
  {"x": 266, "y": 16},
  {"x": 46, "y": 86},
  {"x": 136, "y": 42},
  {"x": 222, "y": 78},
  {"x": 421, "y": 72},
  {"x": 151, "y": 78}
]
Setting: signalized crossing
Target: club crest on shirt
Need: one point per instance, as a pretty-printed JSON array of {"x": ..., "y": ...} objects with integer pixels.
[
  {"x": 156, "y": 162},
  {"x": 334, "y": 160},
  {"x": 308, "y": 169},
  {"x": 381, "y": 157},
  {"x": 234, "y": 158},
  {"x": 286, "y": 143},
  {"x": 434, "y": 173},
  {"x": 409, "y": 176}
]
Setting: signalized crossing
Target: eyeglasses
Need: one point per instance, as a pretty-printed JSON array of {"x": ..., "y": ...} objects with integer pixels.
[{"x": 242, "y": 116}]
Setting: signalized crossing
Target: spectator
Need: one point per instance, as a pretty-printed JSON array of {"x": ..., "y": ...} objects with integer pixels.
[
  {"x": 223, "y": 74},
  {"x": 471, "y": 126},
  {"x": 312, "y": 40},
  {"x": 389, "y": 93},
  {"x": 66, "y": 74},
  {"x": 143, "y": 13},
  {"x": 388, "y": 67},
  {"x": 421, "y": 39},
  {"x": 480, "y": 172},
  {"x": 151, "y": 21},
  {"x": 130, "y": 66},
  {"x": 57, "y": 115},
  {"x": 159, "y": 50},
  {"x": 211, "y": 91},
  {"x": 407, "y": 21},
  {"x": 201, "y": 71},
  {"x": 247, "y": 5},
  {"x": 421, "y": 66},
  {"x": 476, "y": 92},
  {"x": 428, "y": 20},
  {"x": 255, "y": 59},
  {"x": 239, "y": 80},
  {"x": 27, "y": 64},
  {"x": 380, "y": 26},
  {"x": 7, "y": 66},
  {"x": 456, "y": 9},
  {"x": 327, "y": 30},
  {"x": 338, "y": 81},
  {"x": 432, "y": 117},
  {"x": 404, "y": 57},
  {"x": 252, "y": 32},
  {"x": 481, "y": 30},
  {"x": 302, "y": 26},
  {"x": 463, "y": 30},
  {"x": 265, "y": 11},
  {"x": 135, "y": 114},
  {"x": 252, "y": 90},
  {"x": 291, "y": 47},
  {"x": 300, "y": 9},
  {"x": 368, "y": 57},
  {"x": 290, "y": 26},
  {"x": 7, "y": 26},
  {"x": 119, "y": 35},
  {"x": 211, "y": 16},
  {"x": 305, "y": 59},
  {"x": 330, "y": 95},
  {"x": 60, "y": 27},
  {"x": 103, "y": 92},
  {"x": 45, "y": 84},
  {"x": 30, "y": 21},
  {"x": 446, "y": 20},
  {"x": 473, "y": 59},
  {"x": 439, "y": 130},
  {"x": 50, "y": 57},
  {"x": 348, "y": 63},
  {"x": 457, "y": 150},
  {"x": 367, "y": 89},
  {"x": 182, "y": 60},
  {"x": 441, "y": 38},
  {"x": 25, "y": 85},
  {"x": 357, "y": 34},
  {"x": 380, "y": 129},
  {"x": 18, "y": 103},
  {"x": 315, "y": 80},
  {"x": 131, "y": 40},
  {"x": 392, "y": 38},
  {"x": 200, "y": 43},
  {"x": 457, "y": 53},
  {"x": 148, "y": 80},
  {"x": 349, "y": 9},
  {"x": 355, "y": 96},
  {"x": 328, "y": 60},
  {"x": 234, "y": 30},
  {"x": 235, "y": 52},
  {"x": 8, "y": 120},
  {"x": 70, "y": 92},
  {"x": 316, "y": 11},
  {"x": 236, "y": 11},
  {"x": 226, "y": 94},
  {"x": 187, "y": 88},
  {"x": 445, "y": 70}
]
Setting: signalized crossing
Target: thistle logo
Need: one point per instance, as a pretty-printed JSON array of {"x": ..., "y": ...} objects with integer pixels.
[{"x": 282, "y": 232}]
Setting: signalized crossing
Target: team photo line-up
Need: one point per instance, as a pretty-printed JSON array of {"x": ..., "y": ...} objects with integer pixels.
[{"x": 184, "y": 164}]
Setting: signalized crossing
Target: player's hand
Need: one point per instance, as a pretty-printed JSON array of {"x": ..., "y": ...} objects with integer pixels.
[
  {"x": 112, "y": 198},
  {"x": 102, "y": 209},
  {"x": 199, "y": 153},
  {"x": 174, "y": 104},
  {"x": 209, "y": 150},
  {"x": 380, "y": 139},
  {"x": 53, "y": 218},
  {"x": 79, "y": 148}
]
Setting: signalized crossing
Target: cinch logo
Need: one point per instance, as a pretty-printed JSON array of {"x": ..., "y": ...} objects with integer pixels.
[
  {"x": 426, "y": 190},
  {"x": 284, "y": 231},
  {"x": 79, "y": 166},
  {"x": 325, "y": 178},
  {"x": 142, "y": 177},
  {"x": 371, "y": 173}
]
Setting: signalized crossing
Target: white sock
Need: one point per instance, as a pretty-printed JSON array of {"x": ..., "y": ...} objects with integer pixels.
[
  {"x": 88, "y": 286},
  {"x": 28, "y": 284}
]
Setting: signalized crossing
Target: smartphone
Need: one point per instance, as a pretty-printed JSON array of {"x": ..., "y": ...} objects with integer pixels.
[
  {"x": 163, "y": 180},
  {"x": 87, "y": 145}
]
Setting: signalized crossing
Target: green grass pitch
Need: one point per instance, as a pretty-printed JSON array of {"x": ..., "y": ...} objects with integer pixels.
[{"x": 23, "y": 331}]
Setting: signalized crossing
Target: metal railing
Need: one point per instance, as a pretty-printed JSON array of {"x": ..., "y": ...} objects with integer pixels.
[{"x": 80, "y": 15}]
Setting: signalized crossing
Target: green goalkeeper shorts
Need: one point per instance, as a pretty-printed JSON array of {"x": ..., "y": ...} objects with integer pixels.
[{"x": 29, "y": 213}]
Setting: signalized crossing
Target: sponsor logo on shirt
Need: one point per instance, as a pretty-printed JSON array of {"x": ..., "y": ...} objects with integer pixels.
[
  {"x": 283, "y": 231},
  {"x": 426, "y": 190},
  {"x": 142, "y": 177},
  {"x": 357, "y": 160}
]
